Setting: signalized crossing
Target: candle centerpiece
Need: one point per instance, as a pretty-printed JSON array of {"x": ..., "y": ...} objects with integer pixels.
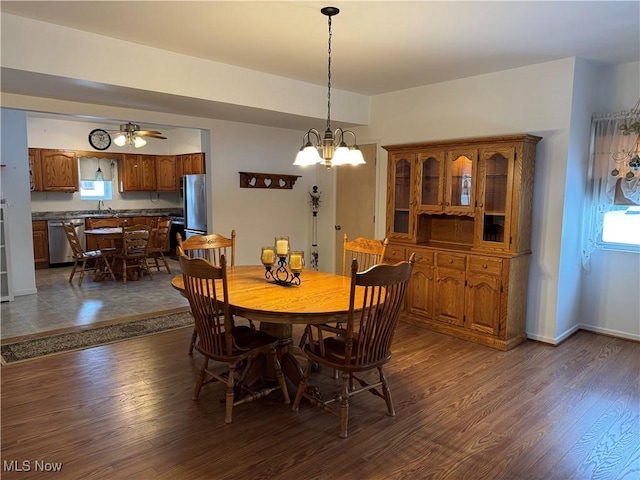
[{"x": 280, "y": 252}]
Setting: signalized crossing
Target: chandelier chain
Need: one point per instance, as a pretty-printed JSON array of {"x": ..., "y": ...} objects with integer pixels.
[{"x": 329, "y": 80}]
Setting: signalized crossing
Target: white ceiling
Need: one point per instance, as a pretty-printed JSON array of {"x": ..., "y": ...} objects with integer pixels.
[{"x": 377, "y": 46}]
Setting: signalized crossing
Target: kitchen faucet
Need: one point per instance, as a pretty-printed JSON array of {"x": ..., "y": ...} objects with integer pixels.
[{"x": 100, "y": 204}]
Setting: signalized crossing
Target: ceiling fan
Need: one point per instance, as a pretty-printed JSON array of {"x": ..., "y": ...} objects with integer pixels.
[{"x": 131, "y": 134}]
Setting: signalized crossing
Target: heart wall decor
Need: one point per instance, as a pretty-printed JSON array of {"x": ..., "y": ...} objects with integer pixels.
[{"x": 276, "y": 181}]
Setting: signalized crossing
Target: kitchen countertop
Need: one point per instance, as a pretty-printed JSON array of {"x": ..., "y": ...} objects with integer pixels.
[{"x": 174, "y": 213}]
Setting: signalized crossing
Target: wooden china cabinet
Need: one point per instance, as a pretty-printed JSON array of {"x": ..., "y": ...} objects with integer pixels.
[{"x": 464, "y": 207}]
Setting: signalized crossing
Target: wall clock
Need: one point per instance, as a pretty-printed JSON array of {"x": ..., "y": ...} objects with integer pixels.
[{"x": 99, "y": 139}]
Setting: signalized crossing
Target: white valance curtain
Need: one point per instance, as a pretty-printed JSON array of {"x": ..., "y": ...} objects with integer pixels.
[{"x": 609, "y": 185}]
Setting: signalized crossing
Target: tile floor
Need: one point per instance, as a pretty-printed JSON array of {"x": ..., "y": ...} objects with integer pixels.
[{"x": 60, "y": 304}]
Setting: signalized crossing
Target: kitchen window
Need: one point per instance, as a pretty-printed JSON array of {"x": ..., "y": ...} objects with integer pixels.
[
  {"x": 96, "y": 190},
  {"x": 96, "y": 182}
]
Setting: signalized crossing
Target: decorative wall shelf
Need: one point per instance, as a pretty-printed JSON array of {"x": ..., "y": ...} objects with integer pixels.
[{"x": 267, "y": 180}]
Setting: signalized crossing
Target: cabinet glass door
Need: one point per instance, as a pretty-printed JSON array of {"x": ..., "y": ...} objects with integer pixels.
[
  {"x": 494, "y": 194},
  {"x": 460, "y": 182},
  {"x": 401, "y": 216},
  {"x": 431, "y": 168}
]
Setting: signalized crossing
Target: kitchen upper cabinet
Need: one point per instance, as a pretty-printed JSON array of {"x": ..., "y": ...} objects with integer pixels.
[
  {"x": 166, "y": 173},
  {"x": 35, "y": 170},
  {"x": 464, "y": 206},
  {"x": 53, "y": 170},
  {"x": 190, "y": 164},
  {"x": 137, "y": 173}
]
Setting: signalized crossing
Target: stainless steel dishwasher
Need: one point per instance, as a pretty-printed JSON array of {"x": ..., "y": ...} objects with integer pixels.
[{"x": 59, "y": 248}]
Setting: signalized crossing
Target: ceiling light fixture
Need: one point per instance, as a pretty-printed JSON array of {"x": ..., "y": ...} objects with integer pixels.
[
  {"x": 131, "y": 134},
  {"x": 343, "y": 154},
  {"x": 129, "y": 138}
]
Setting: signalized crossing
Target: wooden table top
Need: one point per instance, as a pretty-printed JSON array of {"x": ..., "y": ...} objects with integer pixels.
[{"x": 321, "y": 297}]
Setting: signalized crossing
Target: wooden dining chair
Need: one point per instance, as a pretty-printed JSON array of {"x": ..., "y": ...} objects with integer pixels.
[
  {"x": 210, "y": 247},
  {"x": 96, "y": 260},
  {"x": 133, "y": 251},
  {"x": 367, "y": 252},
  {"x": 364, "y": 342},
  {"x": 159, "y": 243},
  {"x": 219, "y": 339},
  {"x": 105, "y": 244}
]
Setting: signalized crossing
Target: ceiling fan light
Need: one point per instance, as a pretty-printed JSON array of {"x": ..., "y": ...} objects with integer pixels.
[
  {"x": 120, "y": 140},
  {"x": 139, "y": 142}
]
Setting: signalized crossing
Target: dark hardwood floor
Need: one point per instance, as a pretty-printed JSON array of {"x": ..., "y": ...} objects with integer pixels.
[{"x": 463, "y": 411}]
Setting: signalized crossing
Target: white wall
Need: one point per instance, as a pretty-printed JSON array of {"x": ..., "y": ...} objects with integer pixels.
[
  {"x": 610, "y": 303},
  {"x": 35, "y": 46},
  {"x": 574, "y": 178},
  {"x": 14, "y": 181}
]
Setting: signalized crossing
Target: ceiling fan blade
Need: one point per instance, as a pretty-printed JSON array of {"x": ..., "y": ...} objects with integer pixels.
[
  {"x": 146, "y": 132},
  {"x": 152, "y": 136}
]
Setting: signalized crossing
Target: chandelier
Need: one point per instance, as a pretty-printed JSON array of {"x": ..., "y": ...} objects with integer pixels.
[
  {"x": 333, "y": 145},
  {"x": 630, "y": 160}
]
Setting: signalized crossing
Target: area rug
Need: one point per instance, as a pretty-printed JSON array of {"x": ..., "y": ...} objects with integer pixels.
[{"x": 92, "y": 336}]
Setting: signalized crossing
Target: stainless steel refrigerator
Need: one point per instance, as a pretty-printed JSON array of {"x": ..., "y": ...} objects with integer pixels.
[{"x": 194, "y": 194}]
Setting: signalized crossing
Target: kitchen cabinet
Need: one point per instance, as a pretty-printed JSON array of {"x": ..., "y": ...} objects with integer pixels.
[
  {"x": 190, "y": 164},
  {"x": 464, "y": 207},
  {"x": 53, "y": 170},
  {"x": 137, "y": 173},
  {"x": 35, "y": 170},
  {"x": 166, "y": 173},
  {"x": 40, "y": 243}
]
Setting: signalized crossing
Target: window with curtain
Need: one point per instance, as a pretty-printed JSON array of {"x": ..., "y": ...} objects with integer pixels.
[
  {"x": 95, "y": 182},
  {"x": 612, "y": 215}
]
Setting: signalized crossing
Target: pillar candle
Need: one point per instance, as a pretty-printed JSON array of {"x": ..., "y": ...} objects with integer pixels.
[
  {"x": 267, "y": 256},
  {"x": 295, "y": 262},
  {"x": 282, "y": 247}
]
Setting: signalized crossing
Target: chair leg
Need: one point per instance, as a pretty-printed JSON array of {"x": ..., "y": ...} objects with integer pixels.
[
  {"x": 73, "y": 270},
  {"x": 200, "y": 380},
  {"x": 108, "y": 268},
  {"x": 228, "y": 409},
  {"x": 387, "y": 393},
  {"x": 194, "y": 336},
  {"x": 84, "y": 265},
  {"x": 166, "y": 264},
  {"x": 145, "y": 266},
  {"x": 302, "y": 386},
  {"x": 124, "y": 270},
  {"x": 344, "y": 405},
  {"x": 280, "y": 377}
]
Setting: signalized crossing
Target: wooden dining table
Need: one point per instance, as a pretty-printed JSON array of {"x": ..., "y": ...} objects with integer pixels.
[{"x": 321, "y": 297}]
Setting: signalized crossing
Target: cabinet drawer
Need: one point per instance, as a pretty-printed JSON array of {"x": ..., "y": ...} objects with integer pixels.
[
  {"x": 394, "y": 254},
  {"x": 423, "y": 257},
  {"x": 489, "y": 265},
  {"x": 450, "y": 261}
]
